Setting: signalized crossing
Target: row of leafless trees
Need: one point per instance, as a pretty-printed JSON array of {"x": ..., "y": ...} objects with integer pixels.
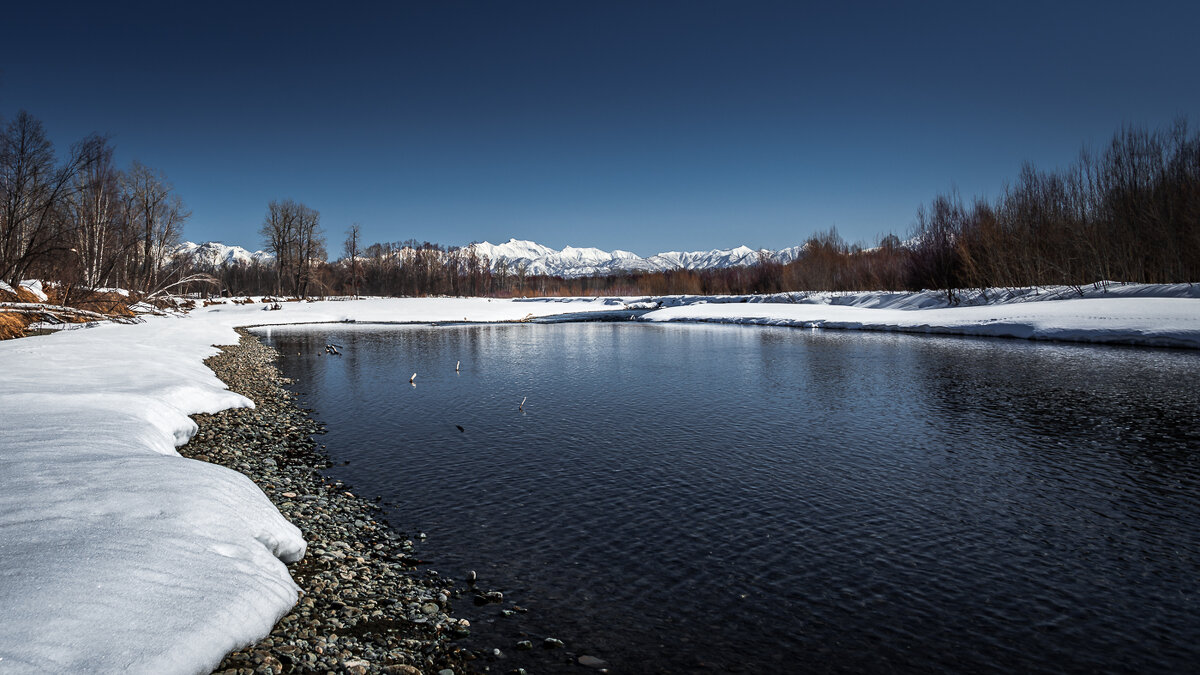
[
  {"x": 1128, "y": 213},
  {"x": 408, "y": 268},
  {"x": 80, "y": 219},
  {"x": 412, "y": 268},
  {"x": 292, "y": 232}
]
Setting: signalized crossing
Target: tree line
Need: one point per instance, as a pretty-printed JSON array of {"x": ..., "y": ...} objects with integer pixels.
[
  {"x": 1129, "y": 212},
  {"x": 79, "y": 219}
]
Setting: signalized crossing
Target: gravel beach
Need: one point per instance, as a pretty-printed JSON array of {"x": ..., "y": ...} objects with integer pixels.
[{"x": 365, "y": 605}]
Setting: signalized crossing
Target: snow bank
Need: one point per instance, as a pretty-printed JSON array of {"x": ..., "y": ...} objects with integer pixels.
[
  {"x": 118, "y": 291},
  {"x": 34, "y": 286},
  {"x": 1151, "y": 321},
  {"x": 117, "y": 554},
  {"x": 399, "y": 310},
  {"x": 913, "y": 300},
  {"x": 1166, "y": 315}
]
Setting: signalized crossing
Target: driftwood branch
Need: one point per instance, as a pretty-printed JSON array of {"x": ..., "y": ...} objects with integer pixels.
[
  {"x": 194, "y": 278},
  {"x": 164, "y": 291}
]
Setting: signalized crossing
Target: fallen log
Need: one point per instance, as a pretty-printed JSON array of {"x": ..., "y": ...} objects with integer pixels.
[{"x": 57, "y": 311}]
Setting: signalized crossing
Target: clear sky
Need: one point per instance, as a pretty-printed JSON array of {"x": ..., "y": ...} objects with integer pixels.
[{"x": 647, "y": 126}]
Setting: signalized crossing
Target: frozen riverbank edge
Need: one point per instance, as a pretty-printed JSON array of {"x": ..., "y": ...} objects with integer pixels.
[
  {"x": 365, "y": 607},
  {"x": 1148, "y": 315}
]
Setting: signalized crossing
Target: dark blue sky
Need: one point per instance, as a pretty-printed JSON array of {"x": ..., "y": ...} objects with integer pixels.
[{"x": 640, "y": 125}]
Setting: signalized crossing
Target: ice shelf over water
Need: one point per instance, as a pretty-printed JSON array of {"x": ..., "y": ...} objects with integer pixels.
[{"x": 118, "y": 554}]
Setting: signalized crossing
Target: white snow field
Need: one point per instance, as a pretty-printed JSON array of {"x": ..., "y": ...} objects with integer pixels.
[{"x": 117, "y": 554}]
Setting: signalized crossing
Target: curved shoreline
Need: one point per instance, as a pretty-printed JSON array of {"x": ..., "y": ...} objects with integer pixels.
[{"x": 364, "y": 606}]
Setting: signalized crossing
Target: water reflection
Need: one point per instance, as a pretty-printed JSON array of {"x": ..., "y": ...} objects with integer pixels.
[{"x": 687, "y": 498}]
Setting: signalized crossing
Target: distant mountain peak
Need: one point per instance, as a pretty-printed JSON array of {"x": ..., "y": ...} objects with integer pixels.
[
  {"x": 215, "y": 254},
  {"x": 537, "y": 259},
  {"x": 574, "y": 261}
]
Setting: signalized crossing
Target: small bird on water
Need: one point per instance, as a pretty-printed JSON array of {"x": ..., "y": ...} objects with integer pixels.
[{"x": 459, "y": 427}]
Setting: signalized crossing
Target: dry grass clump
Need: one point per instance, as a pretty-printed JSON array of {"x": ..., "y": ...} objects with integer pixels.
[
  {"x": 112, "y": 304},
  {"x": 12, "y": 325}
]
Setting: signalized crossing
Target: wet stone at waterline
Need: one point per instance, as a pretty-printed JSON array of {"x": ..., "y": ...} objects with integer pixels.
[{"x": 364, "y": 606}]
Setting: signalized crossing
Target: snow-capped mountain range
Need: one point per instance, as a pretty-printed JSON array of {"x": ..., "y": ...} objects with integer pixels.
[
  {"x": 215, "y": 254},
  {"x": 581, "y": 262},
  {"x": 538, "y": 259}
]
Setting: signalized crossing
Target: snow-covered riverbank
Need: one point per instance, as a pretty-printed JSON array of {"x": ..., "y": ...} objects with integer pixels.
[
  {"x": 1161, "y": 322},
  {"x": 118, "y": 554},
  {"x": 1166, "y": 315}
]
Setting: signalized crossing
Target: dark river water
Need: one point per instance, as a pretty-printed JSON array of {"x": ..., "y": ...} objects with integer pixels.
[{"x": 699, "y": 498}]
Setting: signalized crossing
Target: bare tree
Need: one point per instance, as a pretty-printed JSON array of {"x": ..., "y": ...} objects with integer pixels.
[
  {"x": 159, "y": 215},
  {"x": 278, "y": 232},
  {"x": 292, "y": 232},
  {"x": 351, "y": 249},
  {"x": 97, "y": 215},
  {"x": 310, "y": 248},
  {"x": 32, "y": 190}
]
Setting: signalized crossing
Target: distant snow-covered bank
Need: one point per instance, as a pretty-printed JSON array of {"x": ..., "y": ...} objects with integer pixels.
[
  {"x": 914, "y": 300},
  {"x": 1157, "y": 322},
  {"x": 1148, "y": 315},
  {"x": 1162, "y": 315}
]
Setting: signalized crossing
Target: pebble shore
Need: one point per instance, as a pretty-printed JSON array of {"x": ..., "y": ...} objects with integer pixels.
[{"x": 365, "y": 605}]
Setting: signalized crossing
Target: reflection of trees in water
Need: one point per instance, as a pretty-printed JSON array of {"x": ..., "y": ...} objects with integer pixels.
[
  {"x": 379, "y": 353},
  {"x": 299, "y": 350},
  {"x": 1081, "y": 398},
  {"x": 846, "y": 373}
]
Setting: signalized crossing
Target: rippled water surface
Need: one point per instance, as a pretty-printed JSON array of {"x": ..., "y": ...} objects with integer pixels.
[{"x": 687, "y": 498}]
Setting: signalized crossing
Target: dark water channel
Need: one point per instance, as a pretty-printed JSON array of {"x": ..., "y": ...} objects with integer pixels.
[{"x": 698, "y": 498}]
